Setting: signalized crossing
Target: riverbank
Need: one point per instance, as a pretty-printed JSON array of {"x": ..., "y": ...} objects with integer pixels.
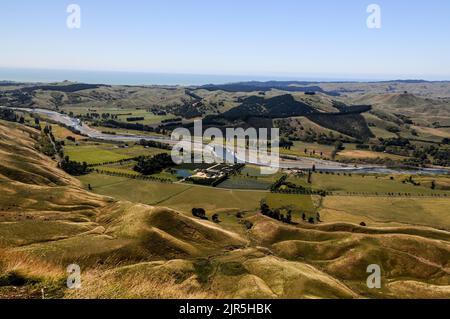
[{"x": 297, "y": 163}]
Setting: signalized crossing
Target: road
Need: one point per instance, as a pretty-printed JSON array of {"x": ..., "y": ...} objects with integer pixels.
[{"x": 227, "y": 153}]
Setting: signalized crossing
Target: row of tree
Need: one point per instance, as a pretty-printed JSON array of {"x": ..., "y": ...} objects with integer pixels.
[
  {"x": 275, "y": 214},
  {"x": 134, "y": 176}
]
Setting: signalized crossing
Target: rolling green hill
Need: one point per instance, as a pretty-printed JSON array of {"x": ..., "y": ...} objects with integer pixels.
[{"x": 48, "y": 220}]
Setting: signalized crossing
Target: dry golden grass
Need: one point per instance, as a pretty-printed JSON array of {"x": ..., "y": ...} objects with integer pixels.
[
  {"x": 100, "y": 284},
  {"x": 410, "y": 289},
  {"x": 129, "y": 250},
  {"x": 344, "y": 251},
  {"x": 28, "y": 265},
  {"x": 63, "y": 133},
  {"x": 359, "y": 154},
  {"x": 432, "y": 212}
]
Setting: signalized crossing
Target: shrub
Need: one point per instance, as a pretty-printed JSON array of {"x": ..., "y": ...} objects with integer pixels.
[
  {"x": 215, "y": 218},
  {"x": 248, "y": 224},
  {"x": 200, "y": 213}
]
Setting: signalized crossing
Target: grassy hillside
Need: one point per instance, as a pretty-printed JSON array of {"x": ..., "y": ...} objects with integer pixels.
[{"x": 129, "y": 249}]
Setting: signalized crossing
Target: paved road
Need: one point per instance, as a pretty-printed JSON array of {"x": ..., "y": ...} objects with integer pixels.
[{"x": 297, "y": 163}]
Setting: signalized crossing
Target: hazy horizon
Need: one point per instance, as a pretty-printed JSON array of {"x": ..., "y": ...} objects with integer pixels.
[{"x": 31, "y": 75}]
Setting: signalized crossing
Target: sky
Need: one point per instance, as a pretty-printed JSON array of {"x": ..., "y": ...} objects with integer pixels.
[{"x": 320, "y": 38}]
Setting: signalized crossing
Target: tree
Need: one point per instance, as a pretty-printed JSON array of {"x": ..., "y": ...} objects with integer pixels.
[
  {"x": 215, "y": 218},
  {"x": 276, "y": 214},
  {"x": 74, "y": 168},
  {"x": 264, "y": 208},
  {"x": 289, "y": 217},
  {"x": 8, "y": 115},
  {"x": 248, "y": 224},
  {"x": 199, "y": 212},
  {"x": 152, "y": 165}
]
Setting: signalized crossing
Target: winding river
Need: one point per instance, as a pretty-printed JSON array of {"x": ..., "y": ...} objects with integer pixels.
[{"x": 294, "y": 163}]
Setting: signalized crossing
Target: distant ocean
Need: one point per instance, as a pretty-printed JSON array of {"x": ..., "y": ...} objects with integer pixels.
[{"x": 137, "y": 78}]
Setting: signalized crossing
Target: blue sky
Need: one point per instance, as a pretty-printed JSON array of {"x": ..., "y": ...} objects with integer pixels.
[{"x": 320, "y": 38}]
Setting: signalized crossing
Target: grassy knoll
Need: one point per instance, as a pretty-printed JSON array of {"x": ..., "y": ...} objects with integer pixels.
[{"x": 62, "y": 133}]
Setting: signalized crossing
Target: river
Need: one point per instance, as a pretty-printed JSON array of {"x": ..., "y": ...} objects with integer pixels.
[{"x": 297, "y": 163}]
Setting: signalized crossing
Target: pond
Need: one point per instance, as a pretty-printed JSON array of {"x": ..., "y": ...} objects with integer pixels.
[{"x": 184, "y": 173}]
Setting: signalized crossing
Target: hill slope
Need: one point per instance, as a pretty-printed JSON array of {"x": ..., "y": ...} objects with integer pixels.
[{"x": 129, "y": 250}]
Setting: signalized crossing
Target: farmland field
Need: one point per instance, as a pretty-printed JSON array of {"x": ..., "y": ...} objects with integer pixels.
[
  {"x": 250, "y": 178},
  {"x": 371, "y": 184},
  {"x": 376, "y": 211},
  {"x": 309, "y": 150},
  {"x": 123, "y": 114},
  {"x": 182, "y": 197},
  {"x": 97, "y": 153},
  {"x": 145, "y": 192}
]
